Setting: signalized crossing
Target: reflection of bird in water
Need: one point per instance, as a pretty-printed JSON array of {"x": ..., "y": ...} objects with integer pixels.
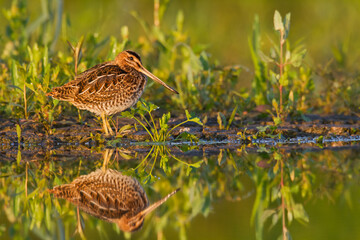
[
  {"x": 110, "y": 196},
  {"x": 108, "y": 88}
]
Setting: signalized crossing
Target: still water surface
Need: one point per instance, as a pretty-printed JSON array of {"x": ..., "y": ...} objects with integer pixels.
[{"x": 257, "y": 193}]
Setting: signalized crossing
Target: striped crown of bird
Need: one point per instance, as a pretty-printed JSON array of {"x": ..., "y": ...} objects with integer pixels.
[
  {"x": 108, "y": 88},
  {"x": 110, "y": 196}
]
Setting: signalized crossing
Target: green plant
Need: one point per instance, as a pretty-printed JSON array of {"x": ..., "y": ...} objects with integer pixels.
[
  {"x": 287, "y": 78},
  {"x": 202, "y": 84},
  {"x": 275, "y": 193},
  {"x": 157, "y": 135},
  {"x": 221, "y": 119},
  {"x": 339, "y": 87}
]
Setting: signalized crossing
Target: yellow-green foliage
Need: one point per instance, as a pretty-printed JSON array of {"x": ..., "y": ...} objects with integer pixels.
[{"x": 35, "y": 56}]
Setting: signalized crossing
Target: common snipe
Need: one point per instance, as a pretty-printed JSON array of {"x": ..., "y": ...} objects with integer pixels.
[
  {"x": 109, "y": 87},
  {"x": 110, "y": 196}
]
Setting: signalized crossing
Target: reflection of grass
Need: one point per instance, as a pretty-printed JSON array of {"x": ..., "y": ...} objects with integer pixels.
[
  {"x": 277, "y": 175},
  {"x": 163, "y": 153},
  {"x": 276, "y": 189}
]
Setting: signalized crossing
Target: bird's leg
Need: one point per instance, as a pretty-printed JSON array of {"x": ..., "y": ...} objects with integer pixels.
[
  {"x": 107, "y": 155},
  {"x": 79, "y": 225},
  {"x": 109, "y": 127},
  {"x": 104, "y": 123}
]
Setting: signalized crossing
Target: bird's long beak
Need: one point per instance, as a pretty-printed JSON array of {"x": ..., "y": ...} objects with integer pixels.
[
  {"x": 155, "y": 205},
  {"x": 156, "y": 79}
]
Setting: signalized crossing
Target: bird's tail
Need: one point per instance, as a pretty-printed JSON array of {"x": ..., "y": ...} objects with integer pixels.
[
  {"x": 65, "y": 191},
  {"x": 62, "y": 93}
]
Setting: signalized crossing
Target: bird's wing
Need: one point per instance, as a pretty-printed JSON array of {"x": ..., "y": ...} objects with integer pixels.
[
  {"x": 88, "y": 82},
  {"x": 110, "y": 194},
  {"x": 99, "y": 79}
]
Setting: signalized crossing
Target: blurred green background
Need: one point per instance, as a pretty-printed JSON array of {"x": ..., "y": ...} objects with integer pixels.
[{"x": 224, "y": 26}]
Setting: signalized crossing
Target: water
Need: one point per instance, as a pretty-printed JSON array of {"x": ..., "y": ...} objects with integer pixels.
[{"x": 228, "y": 191}]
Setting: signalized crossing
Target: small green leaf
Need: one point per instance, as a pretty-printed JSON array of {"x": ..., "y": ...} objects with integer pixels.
[
  {"x": 291, "y": 96},
  {"x": 164, "y": 164},
  {"x": 18, "y": 158},
  {"x": 297, "y": 58},
  {"x": 193, "y": 119},
  {"x": 221, "y": 120},
  {"x": 277, "y": 120},
  {"x": 188, "y": 170},
  {"x": 231, "y": 117},
  {"x": 292, "y": 175},
  {"x": 188, "y": 116},
  {"x": 127, "y": 114},
  {"x": 221, "y": 158},
  {"x": 14, "y": 72},
  {"x": 126, "y": 127},
  {"x": 275, "y": 104},
  {"x": 264, "y": 57},
  {"x": 287, "y": 25},
  {"x": 31, "y": 86},
  {"x": 278, "y": 24},
  {"x": 204, "y": 61},
  {"x": 197, "y": 164},
  {"x": 289, "y": 216},
  {"x": 273, "y": 77},
  {"x": 287, "y": 56},
  {"x": 196, "y": 120},
  {"x": 275, "y": 218},
  {"x": 164, "y": 120},
  {"x": 263, "y": 128},
  {"x": 18, "y": 131},
  {"x": 124, "y": 32},
  {"x": 276, "y": 167},
  {"x": 187, "y": 136},
  {"x": 266, "y": 214},
  {"x": 284, "y": 80},
  {"x": 179, "y": 18},
  {"x": 152, "y": 106},
  {"x": 300, "y": 213}
]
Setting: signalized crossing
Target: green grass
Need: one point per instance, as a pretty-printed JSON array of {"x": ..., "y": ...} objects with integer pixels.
[
  {"x": 283, "y": 78},
  {"x": 158, "y": 129}
]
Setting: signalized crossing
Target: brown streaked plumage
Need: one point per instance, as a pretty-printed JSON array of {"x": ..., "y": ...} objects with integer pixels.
[
  {"x": 108, "y": 88},
  {"x": 110, "y": 196}
]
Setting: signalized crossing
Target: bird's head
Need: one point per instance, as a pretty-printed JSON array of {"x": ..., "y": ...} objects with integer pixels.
[
  {"x": 131, "y": 60},
  {"x": 131, "y": 224}
]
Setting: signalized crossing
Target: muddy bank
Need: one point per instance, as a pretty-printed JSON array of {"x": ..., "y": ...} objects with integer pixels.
[
  {"x": 130, "y": 153},
  {"x": 70, "y": 131},
  {"x": 69, "y": 137}
]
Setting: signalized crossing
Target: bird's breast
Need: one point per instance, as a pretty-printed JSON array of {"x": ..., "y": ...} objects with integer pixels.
[{"x": 126, "y": 98}]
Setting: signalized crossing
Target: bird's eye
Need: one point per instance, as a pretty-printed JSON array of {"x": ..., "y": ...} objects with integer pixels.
[
  {"x": 131, "y": 58},
  {"x": 133, "y": 224}
]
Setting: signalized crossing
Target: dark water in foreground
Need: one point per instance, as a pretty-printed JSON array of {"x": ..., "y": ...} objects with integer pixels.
[{"x": 267, "y": 193}]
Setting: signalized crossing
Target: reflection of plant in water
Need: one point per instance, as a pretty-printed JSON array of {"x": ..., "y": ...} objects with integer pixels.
[
  {"x": 284, "y": 176},
  {"x": 279, "y": 178},
  {"x": 145, "y": 168},
  {"x": 213, "y": 180},
  {"x": 24, "y": 201}
]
